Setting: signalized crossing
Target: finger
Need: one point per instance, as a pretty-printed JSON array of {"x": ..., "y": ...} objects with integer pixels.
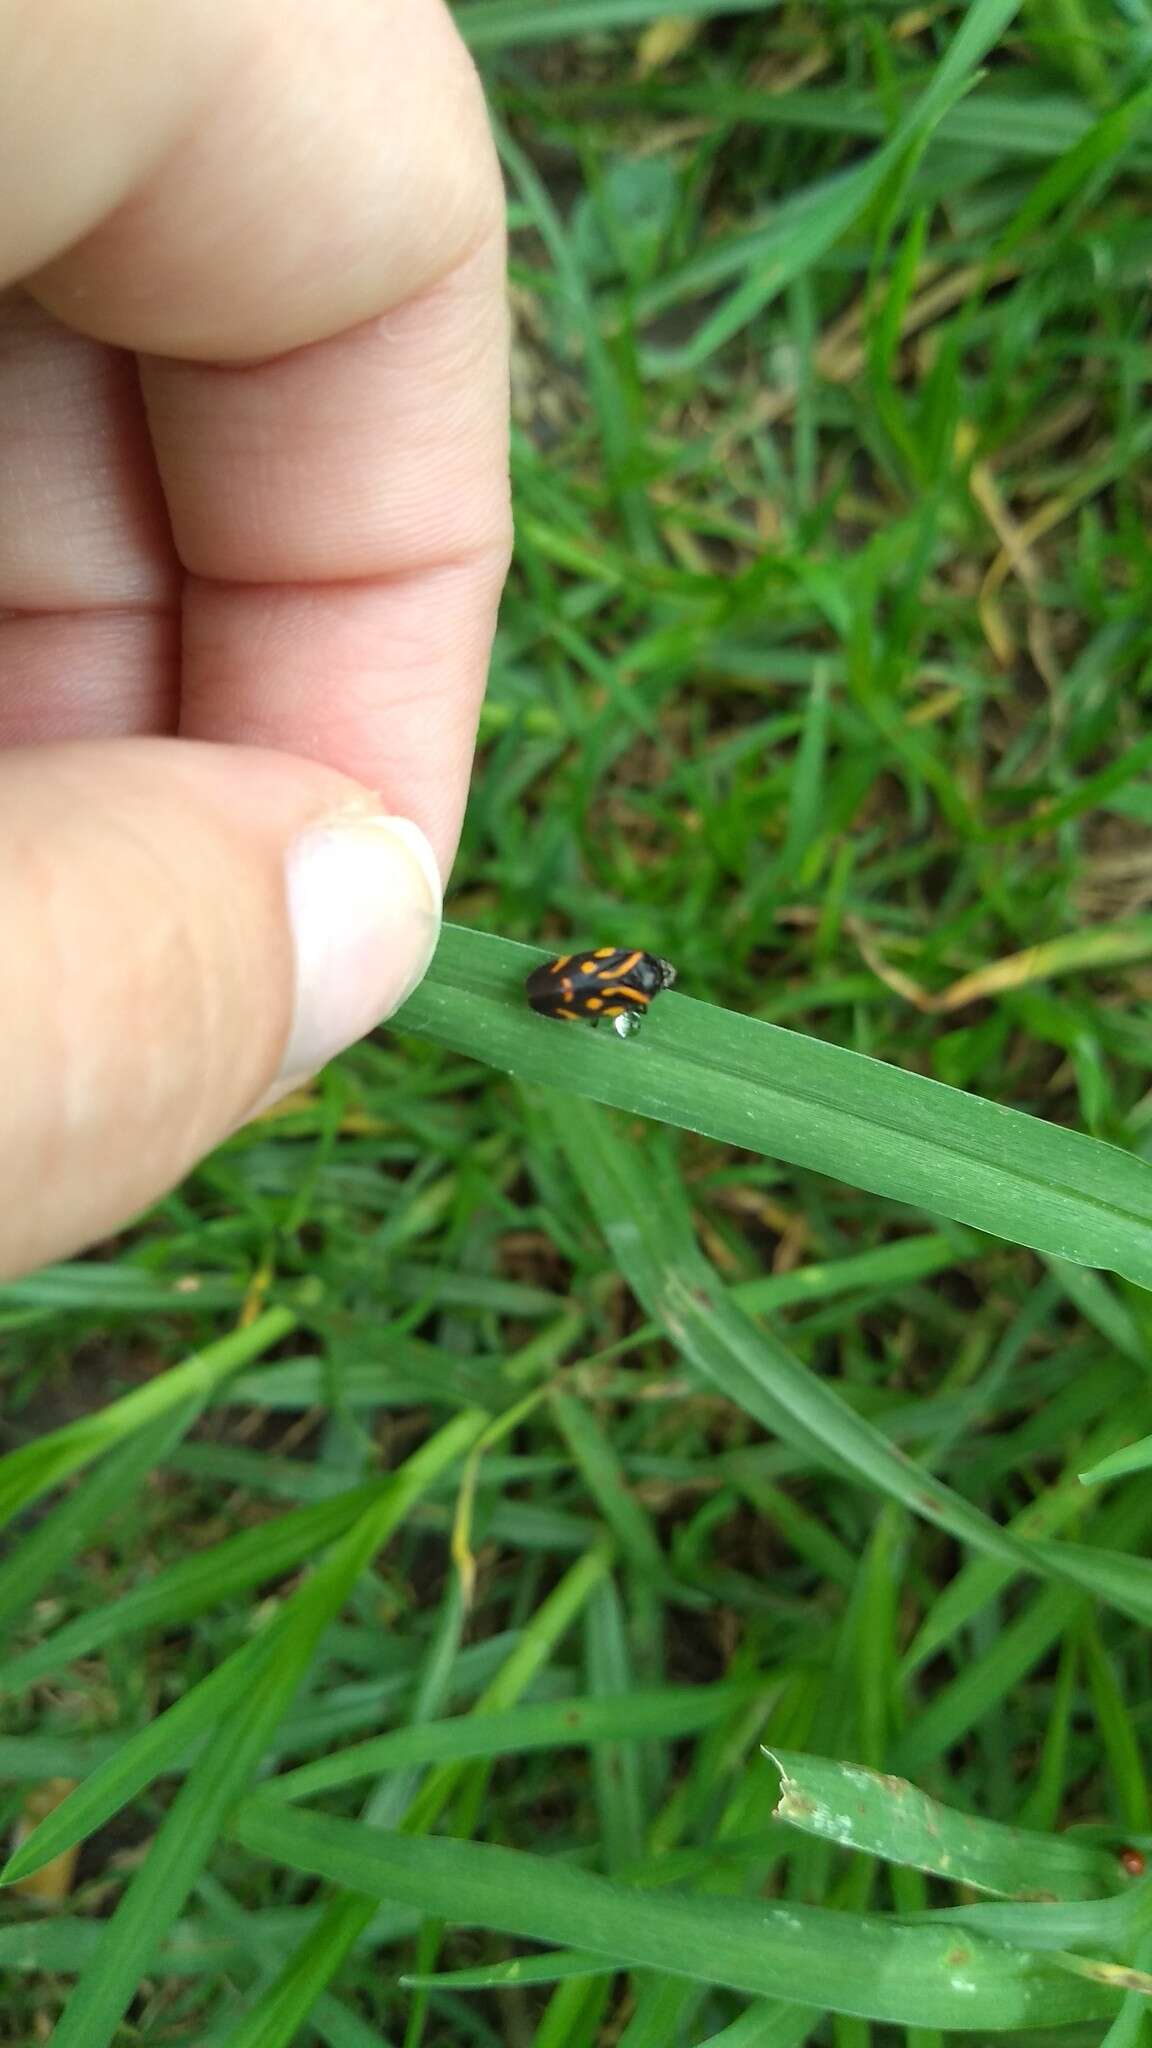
[
  {"x": 344, "y": 507},
  {"x": 344, "y": 514},
  {"x": 240, "y": 177},
  {"x": 184, "y": 928},
  {"x": 89, "y": 639}
]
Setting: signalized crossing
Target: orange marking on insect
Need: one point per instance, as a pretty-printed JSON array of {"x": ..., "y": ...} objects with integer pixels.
[
  {"x": 593, "y": 1003},
  {"x": 566, "y": 985},
  {"x": 573, "y": 1016},
  {"x": 631, "y": 995},
  {"x": 562, "y": 962},
  {"x": 617, "y": 1010},
  {"x": 587, "y": 967},
  {"x": 604, "y": 953},
  {"x": 627, "y": 965}
]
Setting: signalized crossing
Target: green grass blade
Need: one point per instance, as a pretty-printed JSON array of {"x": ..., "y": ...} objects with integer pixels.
[
  {"x": 939, "y": 1975},
  {"x": 559, "y": 1724},
  {"x": 86, "y": 1512},
  {"x": 1116, "y": 1733},
  {"x": 490, "y": 25},
  {"x": 118, "y": 1289},
  {"x": 197, "y": 1584},
  {"x": 200, "y": 1810},
  {"x": 300, "y": 1984},
  {"x": 888, "y": 1817},
  {"x": 276, "y": 2020},
  {"x": 768, "y": 2025},
  {"x": 604, "y": 1476},
  {"x": 1133, "y": 1458},
  {"x": 552, "y": 1619},
  {"x": 785, "y": 248},
  {"x": 161, "y": 1746},
  {"x": 615, "y": 1768},
  {"x": 647, "y": 1224},
  {"x": 27, "y": 1473},
  {"x": 555, "y": 1966},
  {"x": 753, "y": 1084}
]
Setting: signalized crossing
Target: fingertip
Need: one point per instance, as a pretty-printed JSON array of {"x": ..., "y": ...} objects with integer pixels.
[{"x": 364, "y": 900}]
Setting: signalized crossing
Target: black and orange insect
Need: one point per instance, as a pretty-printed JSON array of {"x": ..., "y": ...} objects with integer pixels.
[{"x": 610, "y": 982}]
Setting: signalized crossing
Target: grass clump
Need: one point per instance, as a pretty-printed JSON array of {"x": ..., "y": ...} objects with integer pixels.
[{"x": 422, "y": 1525}]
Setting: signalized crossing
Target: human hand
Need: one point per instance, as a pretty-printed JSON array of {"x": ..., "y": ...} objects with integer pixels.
[{"x": 253, "y": 529}]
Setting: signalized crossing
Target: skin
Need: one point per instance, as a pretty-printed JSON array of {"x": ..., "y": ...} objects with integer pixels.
[{"x": 253, "y": 492}]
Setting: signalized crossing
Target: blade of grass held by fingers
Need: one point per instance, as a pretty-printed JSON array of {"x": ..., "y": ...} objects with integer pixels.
[{"x": 755, "y": 1085}]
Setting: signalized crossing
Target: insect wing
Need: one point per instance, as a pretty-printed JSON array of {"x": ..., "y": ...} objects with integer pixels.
[{"x": 549, "y": 988}]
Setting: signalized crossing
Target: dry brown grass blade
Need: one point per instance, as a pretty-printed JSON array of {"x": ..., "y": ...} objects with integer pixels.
[{"x": 52, "y": 1883}]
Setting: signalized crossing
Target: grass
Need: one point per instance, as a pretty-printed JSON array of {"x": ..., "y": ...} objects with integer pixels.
[{"x": 422, "y": 1527}]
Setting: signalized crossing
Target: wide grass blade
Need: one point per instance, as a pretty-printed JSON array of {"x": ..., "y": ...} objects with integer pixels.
[
  {"x": 753, "y": 1084},
  {"x": 939, "y": 1975},
  {"x": 887, "y": 1817}
]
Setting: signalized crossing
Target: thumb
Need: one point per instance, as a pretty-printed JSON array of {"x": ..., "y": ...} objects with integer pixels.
[{"x": 184, "y": 928}]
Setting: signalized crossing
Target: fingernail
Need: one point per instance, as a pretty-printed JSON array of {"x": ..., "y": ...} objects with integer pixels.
[{"x": 364, "y": 900}]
